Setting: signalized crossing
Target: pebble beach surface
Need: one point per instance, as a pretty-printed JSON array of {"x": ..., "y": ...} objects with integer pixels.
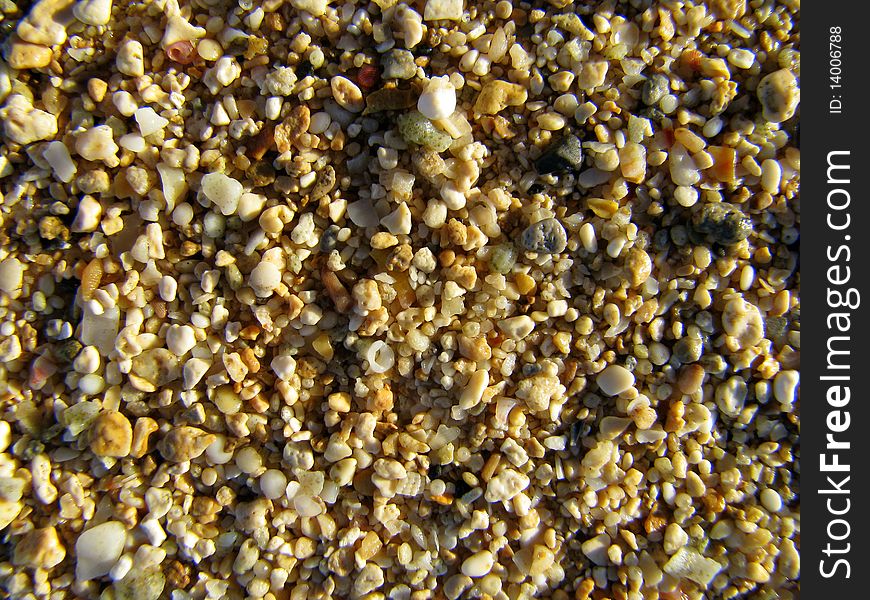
[{"x": 309, "y": 299}]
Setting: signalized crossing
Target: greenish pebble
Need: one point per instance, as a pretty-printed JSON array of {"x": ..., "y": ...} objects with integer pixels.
[
  {"x": 688, "y": 349},
  {"x": 654, "y": 89},
  {"x": 234, "y": 276},
  {"x": 417, "y": 129},
  {"x": 679, "y": 235},
  {"x": 398, "y": 64},
  {"x": 79, "y": 417},
  {"x": 140, "y": 585},
  {"x": 776, "y": 328},
  {"x": 502, "y": 258},
  {"x": 389, "y": 99},
  {"x": 722, "y": 223},
  {"x": 66, "y": 350}
]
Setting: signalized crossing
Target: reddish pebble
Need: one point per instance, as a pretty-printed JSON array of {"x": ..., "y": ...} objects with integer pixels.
[
  {"x": 181, "y": 52},
  {"x": 368, "y": 76}
]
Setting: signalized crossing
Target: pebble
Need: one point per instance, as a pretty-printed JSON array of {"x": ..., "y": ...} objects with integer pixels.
[
  {"x": 566, "y": 154},
  {"x": 779, "y": 95},
  {"x": 39, "y": 549},
  {"x": 11, "y": 275},
  {"x": 24, "y": 55},
  {"x": 731, "y": 396},
  {"x": 547, "y": 236},
  {"x": 149, "y": 121},
  {"x": 438, "y": 99},
  {"x": 5, "y": 435},
  {"x": 111, "y": 435},
  {"x": 785, "y": 387},
  {"x": 690, "y": 379},
  {"x": 473, "y": 392},
  {"x": 688, "y": 349},
  {"x": 478, "y": 564},
  {"x": 46, "y": 22},
  {"x": 9, "y": 511},
  {"x": 179, "y": 30},
  {"x": 591, "y": 74},
  {"x": 186, "y": 443},
  {"x": 595, "y": 549},
  {"x": 157, "y": 366},
  {"x": 639, "y": 265},
  {"x": 93, "y": 12},
  {"x": 414, "y": 127},
  {"x": 675, "y": 538},
  {"x": 771, "y": 175},
  {"x": 223, "y": 191},
  {"x": 517, "y": 327},
  {"x": 130, "y": 59},
  {"x": 98, "y": 144},
  {"x": 315, "y": 7},
  {"x": 248, "y": 460},
  {"x": 347, "y": 94},
  {"x": 741, "y": 58},
  {"x": 193, "y": 372},
  {"x": 722, "y": 223},
  {"x": 497, "y": 95},
  {"x": 502, "y": 258},
  {"x": 614, "y": 380},
  {"x": 632, "y": 162},
  {"x": 264, "y": 279},
  {"x": 370, "y": 578},
  {"x": 410, "y": 24},
  {"x": 294, "y": 125},
  {"x": 682, "y": 166},
  {"x": 98, "y": 549},
  {"x": 180, "y": 339},
  {"x": 91, "y": 384},
  {"x": 504, "y": 486},
  {"x": 87, "y": 360},
  {"x": 140, "y": 584},
  {"x": 398, "y": 64},
  {"x": 399, "y": 221},
  {"x": 655, "y": 88},
  {"x": 25, "y": 124},
  {"x": 88, "y": 215},
  {"x": 742, "y": 320},
  {"x": 57, "y": 155},
  {"x": 690, "y": 564},
  {"x": 771, "y": 500},
  {"x": 273, "y": 483}
]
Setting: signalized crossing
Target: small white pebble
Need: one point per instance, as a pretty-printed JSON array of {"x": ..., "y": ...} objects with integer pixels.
[
  {"x": 273, "y": 484},
  {"x": 149, "y": 121},
  {"x": 785, "y": 386},
  {"x": 771, "y": 500},
  {"x": 56, "y": 154},
  {"x": 97, "y": 144},
  {"x": 98, "y": 549},
  {"x": 479, "y": 564},
  {"x": 180, "y": 339},
  {"x": 125, "y": 103},
  {"x": 183, "y": 214},
  {"x": 87, "y": 360},
  {"x": 11, "y": 274},
  {"x": 614, "y": 380},
  {"x": 91, "y": 384},
  {"x": 248, "y": 460},
  {"x": 284, "y": 367},
  {"x": 771, "y": 175},
  {"x": 223, "y": 191},
  {"x": 264, "y": 279},
  {"x": 438, "y": 100}
]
